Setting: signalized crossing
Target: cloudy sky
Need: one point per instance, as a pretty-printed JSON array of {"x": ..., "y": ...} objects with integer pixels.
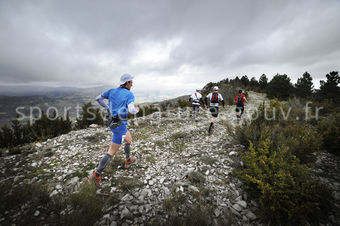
[{"x": 167, "y": 45}]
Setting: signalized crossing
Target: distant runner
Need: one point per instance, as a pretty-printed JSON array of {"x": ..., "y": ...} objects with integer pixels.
[
  {"x": 214, "y": 99},
  {"x": 239, "y": 100},
  {"x": 121, "y": 101},
  {"x": 196, "y": 99}
]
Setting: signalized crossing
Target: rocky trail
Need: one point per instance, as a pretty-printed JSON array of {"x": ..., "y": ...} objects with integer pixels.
[{"x": 180, "y": 171}]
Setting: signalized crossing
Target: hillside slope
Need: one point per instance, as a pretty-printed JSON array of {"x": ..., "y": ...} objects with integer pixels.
[{"x": 180, "y": 172}]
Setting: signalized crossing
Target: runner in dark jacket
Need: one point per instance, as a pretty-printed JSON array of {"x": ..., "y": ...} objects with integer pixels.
[{"x": 239, "y": 100}]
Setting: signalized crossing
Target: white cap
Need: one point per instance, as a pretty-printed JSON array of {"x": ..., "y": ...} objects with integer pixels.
[
  {"x": 125, "y": 78},
  {"x": 215, "y": 87},
  {"x": 198, "y": 89}
]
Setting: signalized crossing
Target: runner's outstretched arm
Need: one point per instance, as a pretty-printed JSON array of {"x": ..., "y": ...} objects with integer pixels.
[
  {"x": 206, "y": 101},
  {"x": 100, "y": 100},
  {"x": 245, "y": 99},
  {"x": 132, "y": 109}
]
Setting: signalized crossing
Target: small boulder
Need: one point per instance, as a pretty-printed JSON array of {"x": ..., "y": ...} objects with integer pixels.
[
  {"x": 237, "y": 207},
  {"x": 242, "y": 203},
  {"x": 251, "y": 216},
  {"x": 37, "y": 213},
  {"x": 125, "y": 214},
  {"x": 233, "y": 153}
]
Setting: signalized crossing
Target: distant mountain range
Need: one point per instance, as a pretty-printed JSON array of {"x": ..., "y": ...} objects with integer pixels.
[
  {"x": 44, "y": 97},
  {"x": 91, "y": 92},
  {"x": 49, "y": 91}
]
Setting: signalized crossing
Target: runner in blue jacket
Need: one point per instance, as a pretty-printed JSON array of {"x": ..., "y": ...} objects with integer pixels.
[{"x": 121, "y": 101}]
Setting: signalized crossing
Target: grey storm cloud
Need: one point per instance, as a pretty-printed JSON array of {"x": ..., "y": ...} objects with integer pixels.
[{"x": 192, "y": 42}]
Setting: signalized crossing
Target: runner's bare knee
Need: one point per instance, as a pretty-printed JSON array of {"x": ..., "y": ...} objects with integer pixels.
[{"x": 128, "y": 138}]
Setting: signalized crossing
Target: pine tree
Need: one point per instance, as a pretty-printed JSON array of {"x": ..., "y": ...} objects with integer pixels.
[
  {"x": 304, "y": 86},
  {"x": 54, "y": 126},
  {"x": 254, "y": 84},
  {"x": 263, "y": 82},
  {"x": 27, "y": 133},
  {"x": 208, "y": 87},
  {"x": 40, "y": 128},
  {"x": 245, "y": 80},
  {"x": 280, "y": 87},
  {"x": 17, "y": 132},
  {"x": 89, "y": 115},
  {"x": 2, "y": 141},
  {"x": 66, "y": 124},
  {"x": 7, "y": 136},
  {"x": 330, "y": 89},
  {"x": 98, "y": 117}
]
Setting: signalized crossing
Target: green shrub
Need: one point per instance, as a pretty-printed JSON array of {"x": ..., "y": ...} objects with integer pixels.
[
  {"x": 329, "y": 128},
  {"x": 81, "y": 173},
  {"x": 14, "y": 150},
  {"x": 87, "y": 207},
  {"x": 196, "y": 177},
  {"x": 26, "y": 199},
  {"x": 150, "y": 159},
  {"x": 195, "y": 213},
  {"x": 208, "y": 160},
  {"x": 303, "y": 140},
  {"x": 166, "y": 105},
  {"x": 196, "y": 216},
  {"x": 183, "y": 103},
  {"x": 282, "y": 186},
  {"x": 35, "y": 194},
  {"x": 147, "y": 110},
  {"x": 274, "y": 173},
  {"x": 173, "y": 203},
  {"x": 252, "y": 131},
  {"x": 97, "y": 137},
  {"x": 179, "y": 135},
  {"x": 160, "y": 143},
  {"x": 90, "y": 166},
  {"x": 300, "y": 137},
  {"x": 48, "y": 152},
  {"x": 126, "y": 184},
  {"x": 325, "y": 107},
  {"x": 230, "y": 100}
]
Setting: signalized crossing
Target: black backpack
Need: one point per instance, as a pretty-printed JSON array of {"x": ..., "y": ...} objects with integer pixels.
[
  {"x": 214, "y": 98},
  {"x": 239, "y": 99}
]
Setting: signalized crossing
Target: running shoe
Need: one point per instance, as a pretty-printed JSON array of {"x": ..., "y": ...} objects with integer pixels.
[
  {"x": 128, "y": 162},
  {"x": 94, "y": 178}
]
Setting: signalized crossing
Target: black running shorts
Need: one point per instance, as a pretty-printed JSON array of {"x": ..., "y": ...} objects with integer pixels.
[
  {"x": 240, "y": 107},
  {"x": 195, "y": 108},
  {"x": 214, "y": 111}
]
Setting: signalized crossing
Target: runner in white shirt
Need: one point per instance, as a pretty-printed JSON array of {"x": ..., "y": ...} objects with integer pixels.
[
  {"x": 214, "y": 99},
  {"x": 196, "y": 99}
]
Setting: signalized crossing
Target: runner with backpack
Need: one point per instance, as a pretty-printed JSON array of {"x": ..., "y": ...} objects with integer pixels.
[
  {"x": 215, "y": 98},
  {"x": 239, "y": 100},
  {"x": 196, "y": 99}
]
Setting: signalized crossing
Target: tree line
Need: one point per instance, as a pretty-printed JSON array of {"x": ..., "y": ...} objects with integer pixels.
[
  {"x": 46, "y": 127},
  {"x": 281, "y": 87}
]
